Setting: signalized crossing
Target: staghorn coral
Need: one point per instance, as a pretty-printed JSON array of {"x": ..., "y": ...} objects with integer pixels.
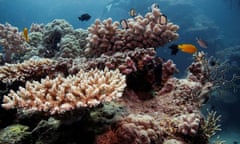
[
  {"x": 12, "y": 41},
  {"x": 106, "y": 37},
  {"x": 56, "y": 96},
  {"x": 22, "y": 71}
]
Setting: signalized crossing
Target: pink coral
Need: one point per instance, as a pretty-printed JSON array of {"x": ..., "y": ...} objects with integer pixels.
[
  {"x": 188, "y": 124},
  {"x": 134, "y": 129},
  {"x": 12, "y": 41},
  {"x": 144, "y": 32},
  {"x": 59, "y": 95}
]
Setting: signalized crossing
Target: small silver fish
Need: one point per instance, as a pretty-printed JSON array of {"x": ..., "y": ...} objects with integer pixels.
[{"x": 202, "y": 43}]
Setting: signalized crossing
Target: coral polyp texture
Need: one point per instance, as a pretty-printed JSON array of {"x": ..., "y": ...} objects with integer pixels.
[
  {"x": 133, "y": 129},
  {"x": 56, "y": 96},
  {"x": 144, "y": 32}
]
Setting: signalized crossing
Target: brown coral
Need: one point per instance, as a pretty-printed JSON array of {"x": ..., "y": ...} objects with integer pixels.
[{"x": 134, "y": 129}]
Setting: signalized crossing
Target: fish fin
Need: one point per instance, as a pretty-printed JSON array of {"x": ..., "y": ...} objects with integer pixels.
[{"x": 174, "y": 49}]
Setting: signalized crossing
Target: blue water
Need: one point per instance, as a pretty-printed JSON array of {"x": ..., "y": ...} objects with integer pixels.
[{"x": 221, "y": 18}]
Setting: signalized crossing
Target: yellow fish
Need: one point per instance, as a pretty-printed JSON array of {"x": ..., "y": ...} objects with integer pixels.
[
  {"x": 25, "y": 34},
  {"x": 187, "y": 48}
]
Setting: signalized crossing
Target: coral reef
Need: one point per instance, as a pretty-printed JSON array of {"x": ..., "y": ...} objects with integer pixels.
[
  {"x": 144, "y": 32},
  {"x": 133, "y": 129},
  {"x": 71, "y": 45},
  {"x": 12, "y": 41},
  {"x": 56, "y": 96},
  {"x": 211, "y": 124},
  {"x": 14, "y": 134},
  {"x": 53, "y": 32},
  {"x": 22, "y": 71},
  {"x": 111, "y": 77}
]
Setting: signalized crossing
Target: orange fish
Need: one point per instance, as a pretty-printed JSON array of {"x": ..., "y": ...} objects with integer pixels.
[
  {"x": 202, "y": 43},
  {"x": 187, "y": 48},
  {"x": 25, "y": 34}
]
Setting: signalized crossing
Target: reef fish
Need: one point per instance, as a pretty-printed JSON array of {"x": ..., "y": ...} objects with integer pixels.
[
  {"x": 124, "y": 24},
  {"x": 163, "y": 19},
  {"x": 202, "y": 43},
  {"x": 25, "y": 34},
  {"x": 187, "y": 48},
  {"x": 132, "y": 12},
  {"x": 84, "y": 17}
]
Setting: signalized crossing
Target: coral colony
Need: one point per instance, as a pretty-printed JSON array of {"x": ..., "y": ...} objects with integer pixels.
[{"x": 107, "y": 81}]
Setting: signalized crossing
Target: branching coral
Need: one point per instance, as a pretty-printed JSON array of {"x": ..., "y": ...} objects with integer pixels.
[
  {"x": 22, "y": 71},
  {"x": 211, "y": 124},
  {"x": 144, "y": 32},
  {"x": 124, "y": 63},
  {"x": 12, "y": 41},
  {"x": 56, "y": 96}
]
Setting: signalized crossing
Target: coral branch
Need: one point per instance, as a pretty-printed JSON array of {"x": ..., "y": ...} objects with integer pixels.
[
  {"x": 56, "y": 96},
  {"x": 22, "y": 71},
  {"x": 106, "y": 37}
]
